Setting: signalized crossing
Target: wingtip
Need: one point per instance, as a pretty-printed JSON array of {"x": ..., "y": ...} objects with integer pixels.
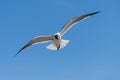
[
  {"x": 94, "y": 13},
  {"x": 16, "y": 54},
  {"x": 98, "y": 11},
  {"x": 21, "y": 50}
]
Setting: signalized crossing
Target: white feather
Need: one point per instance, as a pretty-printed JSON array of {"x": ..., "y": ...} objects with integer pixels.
[
  {"x": 52, "y": 47},
  {"x": 62, "y": 45}
]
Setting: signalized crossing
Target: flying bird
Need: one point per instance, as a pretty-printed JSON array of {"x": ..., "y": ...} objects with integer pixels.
[{"x": 57, "y": 41}]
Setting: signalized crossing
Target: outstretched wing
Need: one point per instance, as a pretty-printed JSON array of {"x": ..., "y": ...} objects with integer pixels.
[
  {"x": 36, "y": 40},
  {"x": 74, "y": 21}
]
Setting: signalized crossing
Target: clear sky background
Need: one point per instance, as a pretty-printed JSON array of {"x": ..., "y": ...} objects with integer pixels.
[{"x": 92, "y": 54}]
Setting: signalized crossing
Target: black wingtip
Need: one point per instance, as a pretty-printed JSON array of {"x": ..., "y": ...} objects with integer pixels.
[
  {"x": 17, "y": 53},
  {"x": 21, "y": 50},
  {"x": 94, "y": 13}
]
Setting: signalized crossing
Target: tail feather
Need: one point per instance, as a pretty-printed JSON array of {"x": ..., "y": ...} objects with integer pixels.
[
  {"x": 52, "y": 47},
  {"x": 62, "y": 45}
]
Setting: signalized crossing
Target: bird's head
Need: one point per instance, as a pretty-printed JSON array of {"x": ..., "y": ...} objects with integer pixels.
[{"x": 57, "y": 36}]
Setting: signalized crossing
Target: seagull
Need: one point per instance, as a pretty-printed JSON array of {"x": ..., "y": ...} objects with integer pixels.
[{"x": 57, "y": 41}]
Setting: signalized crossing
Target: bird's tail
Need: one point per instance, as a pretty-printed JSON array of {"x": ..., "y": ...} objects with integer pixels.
[{"x": 62, "y": 45}]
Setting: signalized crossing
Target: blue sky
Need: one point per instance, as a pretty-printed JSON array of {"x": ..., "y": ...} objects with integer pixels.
[{"x": 92, "y": 54}]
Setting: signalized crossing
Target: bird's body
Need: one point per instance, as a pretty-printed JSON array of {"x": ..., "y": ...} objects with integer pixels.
[{"x": 57, "y": 41}]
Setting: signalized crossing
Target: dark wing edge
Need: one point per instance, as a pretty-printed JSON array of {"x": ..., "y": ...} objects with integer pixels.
[{"x": 26, "y": 46}]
